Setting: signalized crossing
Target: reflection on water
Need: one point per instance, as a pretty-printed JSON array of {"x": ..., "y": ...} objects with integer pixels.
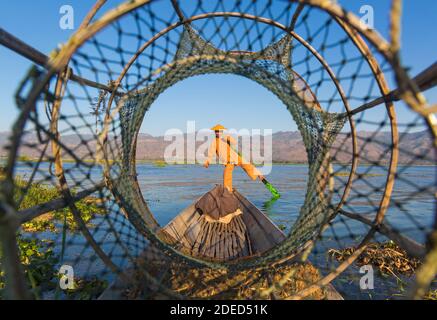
[{"x": 267, "y": 206}]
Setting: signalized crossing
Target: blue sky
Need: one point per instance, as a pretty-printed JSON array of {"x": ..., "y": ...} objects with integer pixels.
[{"x": 231, "y": 100}]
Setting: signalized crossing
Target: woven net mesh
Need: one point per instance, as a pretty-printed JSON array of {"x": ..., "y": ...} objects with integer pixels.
[
  {"x": 77, "y": 141},
  {"x": 271, "y": 68}
]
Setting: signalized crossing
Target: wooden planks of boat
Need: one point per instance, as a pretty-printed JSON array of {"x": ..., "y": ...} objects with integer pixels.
[{"x": 248, "y": 234}]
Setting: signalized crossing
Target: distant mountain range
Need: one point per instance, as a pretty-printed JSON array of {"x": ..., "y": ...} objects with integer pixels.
[{"x": 288, "y": 147}]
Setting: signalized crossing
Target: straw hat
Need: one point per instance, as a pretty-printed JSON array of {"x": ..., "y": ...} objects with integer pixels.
[{"x": 218, "y": 127}]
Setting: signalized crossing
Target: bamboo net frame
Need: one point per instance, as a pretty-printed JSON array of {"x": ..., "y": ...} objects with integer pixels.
[{"x": 59, "y": 69}]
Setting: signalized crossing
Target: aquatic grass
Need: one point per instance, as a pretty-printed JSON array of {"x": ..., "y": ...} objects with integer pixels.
[
  {"x": 38, "y": 260},
  {"x": 389, "y": 258},
  {"x": 160, "y": 164},
  {"x": 40, "y": 267},
  {"x": 282, "y": 227},
  {"x": 86, "y": 289},
  {"x": 37, "y": 193},
  {"x": 36, "y": 255},
  {"x": 347, "y": 173}
]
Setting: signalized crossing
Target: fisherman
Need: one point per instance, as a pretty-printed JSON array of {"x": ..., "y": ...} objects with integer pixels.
[{"x": 223, "y": 146}]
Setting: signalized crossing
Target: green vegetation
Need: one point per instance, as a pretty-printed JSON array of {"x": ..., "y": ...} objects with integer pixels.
[
  {"x": 87, "y": 289},
  {"x": 38, "y": 260},
  {"x": 282, "y": 227},
  {"x": 160, "y": 163},
  {"x": 37, "y": 193},
  {"x": 40, "y": 267},
  {"x": 37, "y": 256},
  {"x": 360, "y": 175},
  {"x": 26, "y": 159}
]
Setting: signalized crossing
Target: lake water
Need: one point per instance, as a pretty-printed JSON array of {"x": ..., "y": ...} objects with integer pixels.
[{"x": 169, "y": 189}]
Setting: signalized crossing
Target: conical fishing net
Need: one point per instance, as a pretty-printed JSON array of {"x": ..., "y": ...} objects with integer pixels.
[{"x": 72, "y": 194}]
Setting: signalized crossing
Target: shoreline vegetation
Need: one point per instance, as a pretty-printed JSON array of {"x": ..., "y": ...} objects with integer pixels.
[
  {"x": 38, "y": 193},
  {"x": 389, "y": 259},
  {"x": 163, "y": 163},
  {"x": 40, "y": 261}
]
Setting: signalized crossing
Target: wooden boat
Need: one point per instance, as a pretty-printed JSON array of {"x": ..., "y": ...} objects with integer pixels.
[
  {"x": 189, "y": 232},
  {"x": 244, "y": 235}
]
